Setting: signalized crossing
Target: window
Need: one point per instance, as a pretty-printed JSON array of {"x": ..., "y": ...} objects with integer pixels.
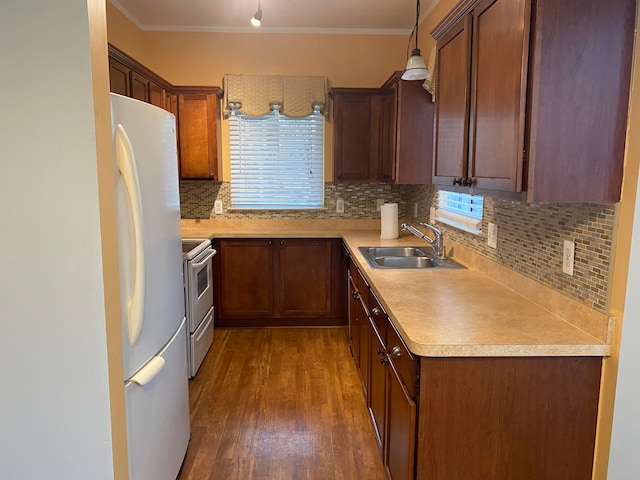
[
  {"x": 460, "y": 210},
  {"x": 277, "y": 162}
]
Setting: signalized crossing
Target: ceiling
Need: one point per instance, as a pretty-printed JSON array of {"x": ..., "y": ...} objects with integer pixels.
[{"x": 392, "y": 17}]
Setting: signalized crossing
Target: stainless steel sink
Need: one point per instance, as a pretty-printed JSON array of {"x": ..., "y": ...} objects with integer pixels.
[
  {"x": 406, "y": 258},
  {"x": 396, "y": 252}
]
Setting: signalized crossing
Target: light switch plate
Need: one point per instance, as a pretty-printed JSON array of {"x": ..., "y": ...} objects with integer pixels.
[
  {"x": 568, "y": 256},
  {"x": 340, "y": 205},
  {"x": 432, "y": 215},
  {"x": 415, "y": 210},
  {"x": 379, "y": 203},
  {"x": 492, "y": 235},
  {"x": 217, "y": 207}
]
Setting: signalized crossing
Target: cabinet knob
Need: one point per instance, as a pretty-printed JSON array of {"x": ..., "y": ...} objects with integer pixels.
[
  {"x": 281, "y": 242},
  {"x": 270, "y": 242},
  {"x": 380, "y": 351},
  {"x": 354, "y": 294},
  {"x": 457, "y": 181},
  {"x": 376, "y": 311},
  {"x": 212, "y": 176},
  {"x": 384, "y": 361},
  {"x": 467, "y": 182},
  {"x": 396, "y": 351}
]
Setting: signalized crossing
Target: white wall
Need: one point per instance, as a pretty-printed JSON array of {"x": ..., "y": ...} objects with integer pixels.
[{"x": 54, "y": 401}]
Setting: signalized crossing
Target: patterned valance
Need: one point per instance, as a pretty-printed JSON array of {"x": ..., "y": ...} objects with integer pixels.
[
  {"x": 430, "y": 83},
  {"x": 255, "y": 93}
]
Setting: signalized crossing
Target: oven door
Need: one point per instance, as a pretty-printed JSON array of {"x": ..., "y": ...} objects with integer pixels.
[{"x": 199, "y": 287}]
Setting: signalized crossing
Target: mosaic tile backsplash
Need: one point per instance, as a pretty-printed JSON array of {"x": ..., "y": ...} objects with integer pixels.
[{"x": 530, "y": 236}]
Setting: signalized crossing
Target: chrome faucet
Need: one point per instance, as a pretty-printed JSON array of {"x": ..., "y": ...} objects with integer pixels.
[{"x": 435, "y": 242}]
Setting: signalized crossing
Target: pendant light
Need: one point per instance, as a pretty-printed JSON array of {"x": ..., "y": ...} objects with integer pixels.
[
  {"x": 257, "y": 17},
  {"x": 416, "y": 68}
]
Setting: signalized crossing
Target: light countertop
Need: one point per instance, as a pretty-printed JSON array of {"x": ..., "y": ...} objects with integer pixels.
[{"x": 483, "y": 310}]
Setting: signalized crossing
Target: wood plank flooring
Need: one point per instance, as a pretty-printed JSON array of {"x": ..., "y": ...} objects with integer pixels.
[{"x": 280, "y": 403}]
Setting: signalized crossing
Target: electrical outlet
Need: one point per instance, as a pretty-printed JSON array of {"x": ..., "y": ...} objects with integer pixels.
[
  {"x": 379, "y": 203},
  {"x": 340, "y": 205},
  {"x": 217, "y": 207},
  {"x": 432, "y": 215},
  {"x": 492, "y": 235},
  {"x": 415, "y": 210},
  {"x": 568, "y": 257}
]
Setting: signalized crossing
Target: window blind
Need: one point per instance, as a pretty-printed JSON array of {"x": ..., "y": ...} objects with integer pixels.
[
  {"x": 277, "y": 162},
  {"x": 460, "y": 210}
]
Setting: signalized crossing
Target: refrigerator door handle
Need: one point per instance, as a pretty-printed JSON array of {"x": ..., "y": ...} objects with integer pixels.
[
  {"x": 127, "y": 166},
  {"x": 149, "y": 371}
]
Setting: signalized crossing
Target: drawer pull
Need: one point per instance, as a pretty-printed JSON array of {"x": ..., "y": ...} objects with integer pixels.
[
  {"x": 396, "y": 351},
  {"x": 376, "y": 311}
]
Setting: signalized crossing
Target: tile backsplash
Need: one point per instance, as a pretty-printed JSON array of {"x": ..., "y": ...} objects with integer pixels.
[{"x": 530, "y": 236}]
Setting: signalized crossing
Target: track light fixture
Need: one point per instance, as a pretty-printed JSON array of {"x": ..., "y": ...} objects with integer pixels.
[
  {"x": 416, "y": 68},
  {"x": 257, "y": 17}
]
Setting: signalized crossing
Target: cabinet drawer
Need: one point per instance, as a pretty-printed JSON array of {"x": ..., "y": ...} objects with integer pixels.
[
  {"x": 405, "y": 363},
  {"x": 363, "y": 290},
  {"x": 379, "y": 317}
]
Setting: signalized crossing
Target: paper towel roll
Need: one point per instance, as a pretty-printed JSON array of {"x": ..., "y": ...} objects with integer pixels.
[{"x": 389, "y": 220}]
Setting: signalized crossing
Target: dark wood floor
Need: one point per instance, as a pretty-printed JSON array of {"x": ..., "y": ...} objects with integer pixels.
[{"x": 280, "y": 403}]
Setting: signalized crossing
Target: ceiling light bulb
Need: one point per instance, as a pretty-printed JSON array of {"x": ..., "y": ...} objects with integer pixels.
[{"x": 256, "y": 20}]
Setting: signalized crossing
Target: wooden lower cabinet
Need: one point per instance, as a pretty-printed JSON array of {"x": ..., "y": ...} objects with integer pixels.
[
  {"x": 400, "y": 432},
  {"x": 498, "y": 418},
  {"x": 278, "y": 282},
  {"x": 390, "y": 402},
  {"x": 243, "y": 282},
  {"x": 507, "y": 418},
  {"x": 377, "y": 395}
]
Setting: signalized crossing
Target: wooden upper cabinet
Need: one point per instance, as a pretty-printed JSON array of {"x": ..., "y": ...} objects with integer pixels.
[
  {"x": 356, "y": 134},
  {"x": 139, "y": 87},
  {"x": 480, "y": 115},
  {"x": 579, "y": 98},
  {"x": 157, "y": 96},
  {"x": 532, "y": 101},
  {"x": 198, "y": 135},
  {"x": 119, "y": 78},
  {"x": 196, "y": 110},
  {"x": 452, "y": 103},
  {"x": 407, "y": 132},
  {"x": 132, "y": 79},
  {"x": 500, "y": 48}
]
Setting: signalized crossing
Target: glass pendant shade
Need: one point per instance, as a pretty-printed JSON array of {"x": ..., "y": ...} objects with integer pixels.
[
  {"x": 416, "y": 68},
  {"x": 257, "y": 18}
]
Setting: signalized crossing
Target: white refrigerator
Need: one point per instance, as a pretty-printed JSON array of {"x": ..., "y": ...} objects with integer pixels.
[{"x": 152, "y": 296}]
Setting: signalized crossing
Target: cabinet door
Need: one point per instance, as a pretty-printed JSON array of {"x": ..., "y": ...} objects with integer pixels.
[
  {"x": 355, "y": 321},
  {"x": 119, "y": 78},
  {"x": 139, "y": 87},
  {"x": 452, "y": 103},
  {"x": 376, "y": 394},
  {"x": 401, "y": 428},
  {"x": 244, "y": 280},
  {"x": 414, "y": 134},
  {"x": 357, "y": 121},
  {"x": 498, "y": 86},
  {"x": 304, "y": 278},
  {"x": 198, "y": 142},
  {"x": 388, "y": 136},
  {"x": 157, "y": 95}
]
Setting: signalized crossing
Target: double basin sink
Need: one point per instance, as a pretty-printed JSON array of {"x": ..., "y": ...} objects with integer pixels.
[{"x": 406, "y": 257}]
